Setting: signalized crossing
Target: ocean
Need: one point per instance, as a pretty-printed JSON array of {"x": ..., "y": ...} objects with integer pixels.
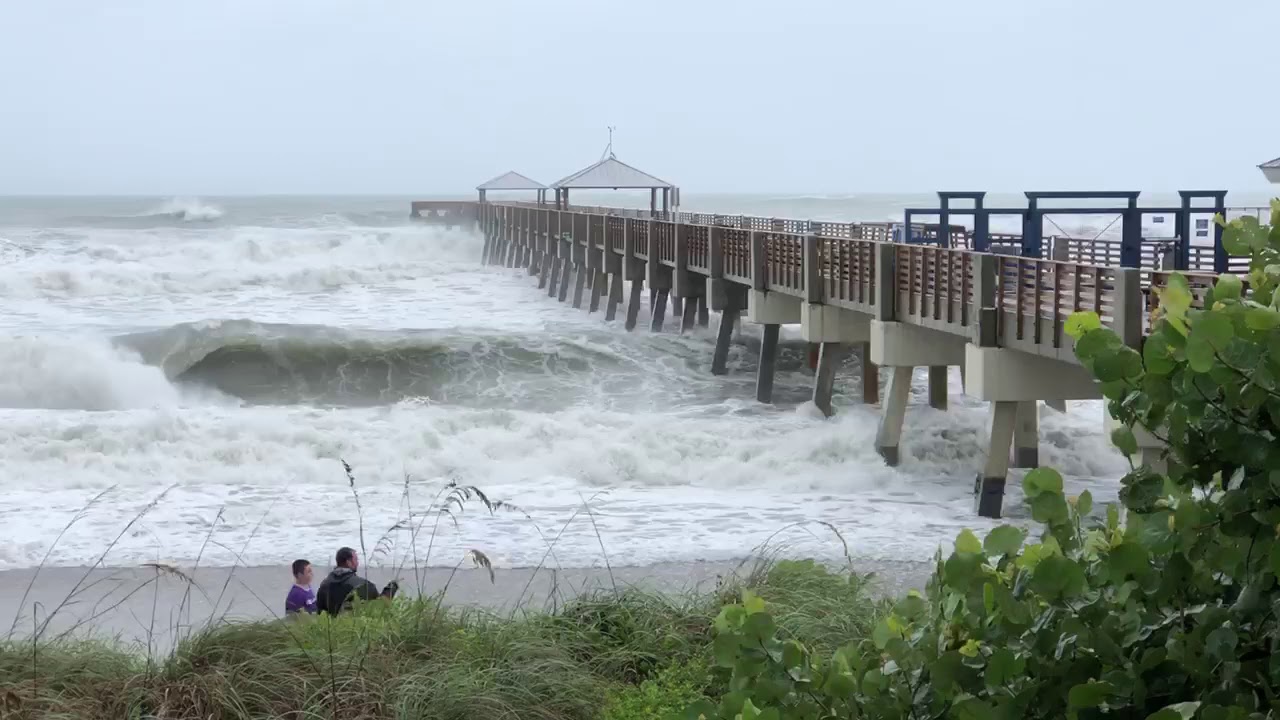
[{"x": 210, "y": 363}]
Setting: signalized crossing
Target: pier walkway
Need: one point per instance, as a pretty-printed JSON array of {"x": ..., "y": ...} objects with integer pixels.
[{"x": 997, "y": 315}]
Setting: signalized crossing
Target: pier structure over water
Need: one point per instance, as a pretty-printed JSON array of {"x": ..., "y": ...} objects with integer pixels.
[{"x": 933, "y": 295}]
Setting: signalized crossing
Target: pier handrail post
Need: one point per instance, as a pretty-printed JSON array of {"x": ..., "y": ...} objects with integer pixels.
[
  {"x": 886, "y": 281},
  {"x": 1127, "y": 307},
  {"x": 986, "y": 273},
  {"x": 812, "y": 267},
  {"x": 759, "y": 261},
  {"x": 1131, "y": 237},
  {"x": 681, "y": 280},
  {"x": 715, "y": 252}
]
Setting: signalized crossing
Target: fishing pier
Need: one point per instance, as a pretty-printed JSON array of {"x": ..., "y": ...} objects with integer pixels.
[{"x": 913, "y": 294}]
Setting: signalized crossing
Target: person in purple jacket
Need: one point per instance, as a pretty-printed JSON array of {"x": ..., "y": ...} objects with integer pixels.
[{"x": 301, "y": 598}]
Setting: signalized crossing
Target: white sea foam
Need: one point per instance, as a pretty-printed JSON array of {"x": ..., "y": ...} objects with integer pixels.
[{"x": 187, "y": 210}]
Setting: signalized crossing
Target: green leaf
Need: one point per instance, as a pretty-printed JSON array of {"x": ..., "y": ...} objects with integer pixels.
[
  {"x": 1258, "y": 318},
  {"x": 1004, "y": 540},
  {"x": 1210, "y": 334},
  {"x": 1040, "y": 481},
  {"x": 752, "y": 602},
  {"x": 1002, "y": 668},
  {"x": 1124, "y": 439},
  {"x": 1081, "y": 322},
  {"x": 1221, "y": 643},
  {"x": 968, "y": 543},
  {"x": 1227, "y": 287},
  {"x": 1180, "y": 711},
  {"x": 1090, "y": 694},
  {"x": 1085, "y": 503},
  {"x": 726, "y": 649}
]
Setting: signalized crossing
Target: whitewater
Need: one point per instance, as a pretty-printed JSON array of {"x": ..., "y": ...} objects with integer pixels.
[{"x": 218, "y": 359}]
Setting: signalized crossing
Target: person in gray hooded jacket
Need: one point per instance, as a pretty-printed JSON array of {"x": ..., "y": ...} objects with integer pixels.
[{"x": 344, "y": 583}]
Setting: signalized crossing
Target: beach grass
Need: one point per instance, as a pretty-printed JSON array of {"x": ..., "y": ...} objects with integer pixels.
[{"x": 617, "y": 654}]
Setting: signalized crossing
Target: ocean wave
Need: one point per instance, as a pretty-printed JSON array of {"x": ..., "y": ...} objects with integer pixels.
[
  {"x": 100, "y": 262},
  {"x": 287, "y": 364},
  {"x": 186, "y": 210}
]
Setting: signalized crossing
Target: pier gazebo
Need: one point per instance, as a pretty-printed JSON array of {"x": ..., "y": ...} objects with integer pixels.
[
  {"x": 1271, "y": 170},
  {"x": 610, "y": 173},
  {"x": 513, "y": 181}
]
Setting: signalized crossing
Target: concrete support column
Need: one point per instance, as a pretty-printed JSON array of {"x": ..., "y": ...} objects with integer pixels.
[
  {"x": 704, "y": 314},
  {"x": 488, "y": 240},
  {"x": 554, "y": 276},
  {"x": 889, "y": 435},
  {"x": 830, "y": 355},
  {"x": 599, "y": 286},
  {"x": 565, "y": 269},
  {"x": 579, "y": 280},
  {"x": 938, "y": 387},
  {"x": 544, "y": 269},
  {"x": 633, "y": 304},
  {"x": 724, "y": 336},
  {"x": 677, "y": 306},
  {"x": 615, "y": 296},
  {"x": 988, "y": 488},
  {"x": 1026, "y": 435},
  {"x": 689, "y": 316},
  {"x": 768, "y": 363},
  {"x": 870, "y": 377},
  {"x": 659, "y": 310}
]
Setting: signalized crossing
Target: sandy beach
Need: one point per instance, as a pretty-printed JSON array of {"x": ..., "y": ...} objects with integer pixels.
[{"x": 148, "y": 610}]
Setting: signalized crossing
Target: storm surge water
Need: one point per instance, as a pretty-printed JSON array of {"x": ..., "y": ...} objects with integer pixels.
[{"x": 235, "y": 350}]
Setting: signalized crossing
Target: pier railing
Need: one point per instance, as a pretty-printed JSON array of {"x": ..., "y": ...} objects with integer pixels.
[{"x": 937, "y": 287}]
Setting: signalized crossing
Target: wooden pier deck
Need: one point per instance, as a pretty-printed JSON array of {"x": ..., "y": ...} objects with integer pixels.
[{"x": 997, "y": 316}]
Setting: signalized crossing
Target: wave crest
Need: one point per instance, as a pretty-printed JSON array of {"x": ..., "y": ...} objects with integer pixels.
[{"x": 186, "y": 210}]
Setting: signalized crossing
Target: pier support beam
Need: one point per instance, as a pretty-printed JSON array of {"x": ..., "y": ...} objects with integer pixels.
[
  {"x": 938, "y": 387},
  {"x": 889, "y": 434},
  {"x": 704, "y": 315},
  {"x": 677, "y": 306},
  {"x": 988, "y": 487},
  {"x": 830, "y": 355},
  {"x": 659, "y": 310},
  {"x": 556, "y": 265},
  {"x": 689, "y": 316},
  {"x": 724, "y": 337},
  {"x": 598, "y": 287},
  {"x": 768, "y": 363},
  {"x": 1026, "y": 435},
  {"x": 579, "y": 279},
  {"x": 730, "y": 299},
  {"x": 544, "y": 269},
  {"x": 615, "y": 297},
  {"x": 565, "y": 273},
  {"x": 633, "y": 304},
  {"x": 870, "y": 377}
]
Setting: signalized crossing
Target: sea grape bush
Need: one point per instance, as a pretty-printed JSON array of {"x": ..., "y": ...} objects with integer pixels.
[{"x": 1163, "y": 608}]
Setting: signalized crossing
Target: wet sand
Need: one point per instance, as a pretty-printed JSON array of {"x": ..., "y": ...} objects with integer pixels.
[{"x": 148, "y": 609}]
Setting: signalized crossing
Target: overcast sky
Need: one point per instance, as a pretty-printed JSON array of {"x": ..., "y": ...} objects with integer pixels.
[{"x": 403, "y": 96}]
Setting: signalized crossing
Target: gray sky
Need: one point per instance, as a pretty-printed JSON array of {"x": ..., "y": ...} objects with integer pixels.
[{"x": 404, "y": 96}]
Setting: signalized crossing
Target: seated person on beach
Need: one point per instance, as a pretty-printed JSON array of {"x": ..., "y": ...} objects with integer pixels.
[
  {"x": 300, "y": 598},
  {"x": 343, "y": 583}
]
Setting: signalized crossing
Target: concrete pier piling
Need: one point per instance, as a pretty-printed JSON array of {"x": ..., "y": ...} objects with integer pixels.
[
  {"x": 933, "y": 303},
  {"x": 768, "y": 363},
  {"x": 830, "y": 355}
]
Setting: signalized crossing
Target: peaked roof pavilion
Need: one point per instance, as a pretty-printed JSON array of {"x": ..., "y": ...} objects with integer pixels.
[
  {"x": 1271, "y": 170},
  {"x": 610, "y": 173},
  {"x": 513, "y": 180}
]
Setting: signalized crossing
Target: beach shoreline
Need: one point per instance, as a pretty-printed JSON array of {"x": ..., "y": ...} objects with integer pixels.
[{"x": 148, "y": 609}]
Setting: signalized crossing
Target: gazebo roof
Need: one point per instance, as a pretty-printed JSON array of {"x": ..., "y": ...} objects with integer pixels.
[
  {"x": 511, "y": 181},
  {"x": 611, "y": 173},
  {"x": 1271, "y": 170}
]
